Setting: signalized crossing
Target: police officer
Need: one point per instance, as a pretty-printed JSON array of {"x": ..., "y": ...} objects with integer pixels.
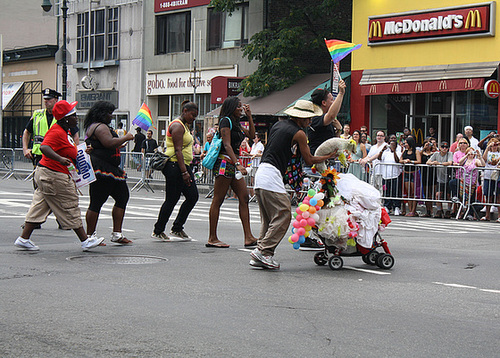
[{"x": 39, "y": 124}]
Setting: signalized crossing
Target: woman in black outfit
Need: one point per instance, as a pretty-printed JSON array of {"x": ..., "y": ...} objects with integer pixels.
[
  {"x": 227, "y": 165},
  {"x": 105, "y": 156},
  {"x": 410, "y": 156}
]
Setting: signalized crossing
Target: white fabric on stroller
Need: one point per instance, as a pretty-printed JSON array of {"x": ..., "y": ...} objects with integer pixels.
[
  {"x": 364, "y": 205},
  {"x": 333, "y": 226}
]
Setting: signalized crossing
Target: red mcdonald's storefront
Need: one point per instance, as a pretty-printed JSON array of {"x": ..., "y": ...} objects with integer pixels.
[{"x": 425, "y": 68}]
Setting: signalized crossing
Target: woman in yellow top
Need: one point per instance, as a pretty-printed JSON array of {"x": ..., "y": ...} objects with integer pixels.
[{"x": 178, "y": 175}]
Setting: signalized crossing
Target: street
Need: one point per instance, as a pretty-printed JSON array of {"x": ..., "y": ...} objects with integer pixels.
[{"x": 181, "y": 299}]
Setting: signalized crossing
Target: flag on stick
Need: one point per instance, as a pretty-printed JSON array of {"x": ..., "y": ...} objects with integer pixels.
[
  {"x": 340, "y": 49},
  {"x": 143, "y": 118}
]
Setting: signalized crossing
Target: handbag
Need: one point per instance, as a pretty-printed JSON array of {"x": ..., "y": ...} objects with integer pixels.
[
  {"x": 214, "y": 149},
  {"x": 294, "y": 176},
  {"x": 158, "y": 161},
  {"x": 494, "y": 175}
]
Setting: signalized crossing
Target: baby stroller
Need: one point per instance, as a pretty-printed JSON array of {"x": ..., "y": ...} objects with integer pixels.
[{"x": 348, "y": 221}]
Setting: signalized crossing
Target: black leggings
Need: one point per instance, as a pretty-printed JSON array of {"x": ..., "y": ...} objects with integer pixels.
[{"x": 105, "y": 187}]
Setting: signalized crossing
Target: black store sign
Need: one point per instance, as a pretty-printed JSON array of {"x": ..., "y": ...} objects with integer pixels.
[{"x": 86, "y": 99}]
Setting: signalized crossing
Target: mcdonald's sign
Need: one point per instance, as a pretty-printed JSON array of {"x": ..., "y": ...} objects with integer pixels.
[
  {"x": 443, "y": 85},
  {"x": 468, "y": 83},
  {"x": 433, "y": 24},
  {"x": 373, "y": 89},
  {"x": 418, "y": 87},
  {"x": 415, "y": 132},
  {"x": 395, "y": 87},
  {"x": 492, "y": 89}
]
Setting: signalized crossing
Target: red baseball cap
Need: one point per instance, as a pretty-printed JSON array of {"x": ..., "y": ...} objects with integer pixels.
[{"x": 63, "y": 109}]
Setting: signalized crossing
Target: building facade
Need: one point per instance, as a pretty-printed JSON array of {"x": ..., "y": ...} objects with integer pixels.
[{"x": 425, "y": 65}]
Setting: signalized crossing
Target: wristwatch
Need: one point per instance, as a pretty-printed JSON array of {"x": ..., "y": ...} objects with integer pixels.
[{"x": 237, "y": 163}]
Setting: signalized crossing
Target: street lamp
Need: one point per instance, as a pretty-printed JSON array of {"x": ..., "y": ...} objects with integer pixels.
[{"x": 46, "y": 6}]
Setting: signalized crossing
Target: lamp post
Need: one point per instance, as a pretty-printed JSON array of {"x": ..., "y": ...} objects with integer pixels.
[{"x": 46, "y": 6}]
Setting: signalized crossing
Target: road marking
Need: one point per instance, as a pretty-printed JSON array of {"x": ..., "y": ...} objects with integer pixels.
[
  {"x": 366, "y": 270},
  {"x": 456, "y": 285}
]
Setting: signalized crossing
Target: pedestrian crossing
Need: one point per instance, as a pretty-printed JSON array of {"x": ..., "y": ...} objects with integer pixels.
[{"x": 15, "y": 205}]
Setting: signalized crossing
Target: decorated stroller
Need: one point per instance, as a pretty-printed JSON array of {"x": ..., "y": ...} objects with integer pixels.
[{"x": 345, "y": 214}]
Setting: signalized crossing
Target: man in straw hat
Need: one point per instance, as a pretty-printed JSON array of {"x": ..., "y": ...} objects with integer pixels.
[{"x": 274, "y": 204}]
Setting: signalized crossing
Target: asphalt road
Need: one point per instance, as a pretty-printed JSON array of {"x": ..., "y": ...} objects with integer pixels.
[{"x": 441, "y": 298}]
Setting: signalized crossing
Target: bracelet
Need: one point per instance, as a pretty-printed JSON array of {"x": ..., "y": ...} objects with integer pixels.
[{"x": 237, "y": 163}]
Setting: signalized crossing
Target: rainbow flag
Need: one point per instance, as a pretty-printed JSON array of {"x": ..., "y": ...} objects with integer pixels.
[
  {"x": 143, "y": 118},
  {"x": 340, "y": 49}
]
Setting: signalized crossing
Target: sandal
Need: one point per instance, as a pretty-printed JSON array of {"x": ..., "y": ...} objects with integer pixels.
[
  {"x": 118, "y": 238},
  {"x": 484, "y": 219}
]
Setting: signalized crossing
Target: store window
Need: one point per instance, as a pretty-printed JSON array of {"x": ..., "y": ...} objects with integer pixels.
[
  {"x": 389, "y": 113},
  {"x": 103, "y": 35},
  {"x": 475, "y": 109},
  {"x": 228, "y": 30},
  {"x": 173, "y": 33}
]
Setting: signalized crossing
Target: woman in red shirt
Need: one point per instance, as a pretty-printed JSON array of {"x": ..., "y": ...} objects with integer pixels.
[{"x": 56, "y": 190}]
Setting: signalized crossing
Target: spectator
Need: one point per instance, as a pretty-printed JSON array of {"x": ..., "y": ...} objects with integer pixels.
[
  {"x": 367, "y": 142},
  {"x": 347, "y": 132},
  {"x": 483, "y": 142},
  {"x": 364, "y": 130},
  {"x": 56, "y": 190},
  {"x": 491, "y": 156},
  {"x": 454, "y": 145},
  {"x": 209, "y": 138},
  {"x": 410, "y": 157},
  {"x": 372, "y": 157},
  {"x": 354, "y": 167},
  {"x": 149, "y": 146},
  {"x": 473, "y": 142},
  {"x": 138, "y": 139},
  {"x": 432, "y": 133},
  {"x": 391, "y": 172},
  {"x": 468, "y": 179},
  {"x": 442, "y": 158},
  {"x": 179, "y": 177},
  {"x": 111, "y": 179},
  {"x": 255, "y": 156},
  {"x": 227, "y": 165},
  {"x": 426, "y": 176}
]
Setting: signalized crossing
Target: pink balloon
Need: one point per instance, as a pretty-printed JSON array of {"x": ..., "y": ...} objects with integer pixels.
[
  {"x": 303, "y": 222},
  {"x": 301, "y": 231},
  {"x": 299, "y": 218},
  {"x": 311, "y": 222},
  {"x": 294, "y": 238},
  {"x": 306, "y": 200},
  {"x": 296, "y": 224},
  {"x": 317, "y": 207},
  {"x": 298, "y": 211},
  {"x": 306, "y": 214}
]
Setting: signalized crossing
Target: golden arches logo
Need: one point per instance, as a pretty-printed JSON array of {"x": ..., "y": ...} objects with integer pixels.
[
  {"x": 473, "y": 19},
  {"x": 416, "y": 133},
  {"x": 443, "y": 85},
  {"x": 468, "y": 83},
  {"x": 418, "y": 87},
  {"x": 395, "y": 87},
  {"x": 373, "y": 89},
  {"x": 375, "y": 29}
]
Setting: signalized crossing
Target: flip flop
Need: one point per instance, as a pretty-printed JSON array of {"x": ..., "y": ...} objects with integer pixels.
[
  {"x": 252, "y": 245},
  {"x": 220, "y": 245}
]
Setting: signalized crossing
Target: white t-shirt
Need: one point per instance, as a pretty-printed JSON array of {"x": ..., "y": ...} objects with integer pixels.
[
  {"x": 374, "y": 151},
  {"x": 393, "y": 169},
  {"x": 256, "y": 148},
  {"x": 268, "y": 177}
]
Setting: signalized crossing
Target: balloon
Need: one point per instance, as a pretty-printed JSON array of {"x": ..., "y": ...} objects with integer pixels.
[
  {"x": 311, "y": 222},
  {"x": 305, "y": 214},
  {"x": 305, "y": 180},
  {"x": 307, "y": 228},
  {"x": 315, "y": 217},
  {"x": 311, "y": 193},
  {"x": 296, "y": 245},
  {"x": 290, "y": 240},
  {"x": 295, "y": 214},
  {"x": 294, "y": 238},
  {"x": 298, "y": 211},
  {"x": 320, "y": 203},
  {"x": 317, "y": 207},
  {"x": 303, "y": 222},
  {"x": 353, "y": 234},
  {"x": 320, "y": 196},
  {"x": 301, "y": 231},
  {"x": 293, "y": 230},
  {"x": 313, "y": 202},
  {"x": 312, "y": 210},
  {"x": 303, "y": 207},
  {"x": 306, "y": 234},
  {"x": 302, "y": 239},
  {"x": 296, "y": 224},
  {"x": 299, "y": 217},
  {"x": 306, "y": 201}
]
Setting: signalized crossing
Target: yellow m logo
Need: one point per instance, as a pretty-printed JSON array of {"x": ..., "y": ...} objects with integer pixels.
[
  {"x": 375, "y": 29},
  {"x": 473, "y": 19}
]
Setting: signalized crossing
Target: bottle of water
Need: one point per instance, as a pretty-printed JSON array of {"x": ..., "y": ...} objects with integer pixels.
[{"x": 73, "y": 172}]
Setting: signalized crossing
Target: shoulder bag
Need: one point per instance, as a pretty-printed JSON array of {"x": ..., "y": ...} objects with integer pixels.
[{"x": 214, "y": 149}]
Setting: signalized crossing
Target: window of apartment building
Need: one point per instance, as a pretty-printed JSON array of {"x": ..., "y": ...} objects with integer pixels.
[
  {"x": 225, "y": 30},
  {"x": 103, "y": 35},
  {"x": 173, "y": 33}
]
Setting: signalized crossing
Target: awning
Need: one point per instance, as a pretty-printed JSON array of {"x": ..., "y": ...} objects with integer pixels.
[
  {"x": 9, "y": 90},
  {"x": 440, "y": 78},
  {"x": 277, "y": 101}
]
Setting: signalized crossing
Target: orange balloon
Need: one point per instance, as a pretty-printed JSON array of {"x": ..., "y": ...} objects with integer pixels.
[
  {"x": 320, "y": 203},
  {"x": 312, "y": 210}
]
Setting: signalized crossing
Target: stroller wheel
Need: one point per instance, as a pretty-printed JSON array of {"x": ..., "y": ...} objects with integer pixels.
[
  {"x": 385, "y": 261},
  {"x": 320, "y": 259},
  {"x": 371, "y": 257},
  {"x": 335, "y": 263}
]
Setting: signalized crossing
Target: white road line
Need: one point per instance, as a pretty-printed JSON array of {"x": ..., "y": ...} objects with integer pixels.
[
  {"x": 366, "y": 270},
  {"x": 456, "y": 285}
]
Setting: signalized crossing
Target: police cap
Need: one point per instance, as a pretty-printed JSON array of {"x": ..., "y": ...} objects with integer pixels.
[{"x": 49, "y": 93}]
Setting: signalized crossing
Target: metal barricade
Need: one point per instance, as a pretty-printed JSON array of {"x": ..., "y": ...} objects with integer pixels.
[
  {"x": 22, "y": 165},
  {"x": 487, "y": 180},
  {"x": 7, "y": 162}
]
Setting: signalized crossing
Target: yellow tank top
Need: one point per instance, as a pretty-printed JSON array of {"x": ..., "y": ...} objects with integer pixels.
[{"x": 187, "y": 144}]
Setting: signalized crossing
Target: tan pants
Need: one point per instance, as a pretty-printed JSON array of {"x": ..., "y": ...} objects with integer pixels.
[
  {"x": 275, "y": 214},
  {"x": 56, "y": 192}
]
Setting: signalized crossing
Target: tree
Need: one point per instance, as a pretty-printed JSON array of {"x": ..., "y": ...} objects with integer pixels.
[{"x": 292, "y": 44}]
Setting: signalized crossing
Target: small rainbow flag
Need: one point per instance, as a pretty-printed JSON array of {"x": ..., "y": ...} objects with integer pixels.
[
  {"x": 340, "y": 49},
  {"x": 143, "y": 118}
]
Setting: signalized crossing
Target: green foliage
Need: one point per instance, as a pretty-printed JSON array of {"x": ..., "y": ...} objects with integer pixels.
[{"x": 293, "y": 45}]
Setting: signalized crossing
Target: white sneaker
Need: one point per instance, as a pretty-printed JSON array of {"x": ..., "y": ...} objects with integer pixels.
[
  {"x": 91, "y": 242},
  {"x": 397, "y": 212},
  {"x": 26, "y": 244},
  {"x": 494, "y": 209},
  {"x": 161, "y": 237},
  {"x": 266, "y": 261}
]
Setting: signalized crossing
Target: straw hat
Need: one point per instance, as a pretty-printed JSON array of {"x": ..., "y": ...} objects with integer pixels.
[{"x": 304, "y": 109}]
